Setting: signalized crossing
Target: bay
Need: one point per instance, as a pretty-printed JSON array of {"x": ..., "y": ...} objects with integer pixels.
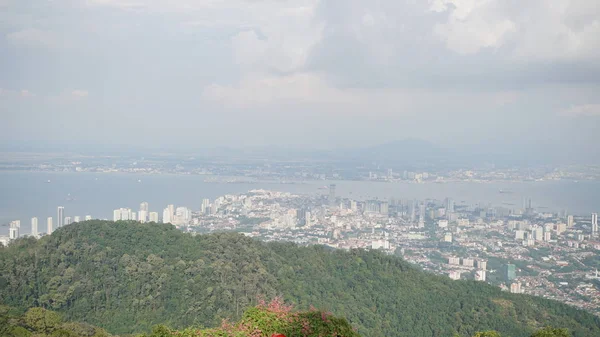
[{"x": 27, "y": 194}]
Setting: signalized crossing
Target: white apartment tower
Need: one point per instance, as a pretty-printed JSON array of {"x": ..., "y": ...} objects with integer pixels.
[
  {"x": 50, "y": 226},
  {"x": 34, "y": 227},
  {"x": 142, "y": 216},
  {"x": 13, "y": 231},
  {"x": 61, "y": 216},
  {"x": 594, "y": 224},
  {"x": 153, "y": 217},
  {"x": 116, "y": 215},
  {"x": 167, "y": 215}
]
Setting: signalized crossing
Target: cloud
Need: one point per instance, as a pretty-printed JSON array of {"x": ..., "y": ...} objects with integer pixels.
[
  {"x": 582, "y": 110},
  {"x": 32, "y": 37},
  {"x": 458, "y": 43},
  {"x": 472, "y": 26}
]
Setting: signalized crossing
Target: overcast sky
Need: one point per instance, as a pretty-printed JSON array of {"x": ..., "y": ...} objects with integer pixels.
[{"x": 302, "y": 73}]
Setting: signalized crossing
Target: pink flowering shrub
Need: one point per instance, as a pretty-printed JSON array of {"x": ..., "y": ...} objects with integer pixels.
[{"x": 277, "y": 319}]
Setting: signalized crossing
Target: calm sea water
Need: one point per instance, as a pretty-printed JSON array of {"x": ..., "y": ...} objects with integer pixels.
[{"x": 27, "y": 194}]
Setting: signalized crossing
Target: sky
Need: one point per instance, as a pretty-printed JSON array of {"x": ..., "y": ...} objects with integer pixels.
[{"x": 503, "y": 75}]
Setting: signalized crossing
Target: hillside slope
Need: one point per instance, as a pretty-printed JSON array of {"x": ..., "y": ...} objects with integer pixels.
[{"x": 127, "y": 277}]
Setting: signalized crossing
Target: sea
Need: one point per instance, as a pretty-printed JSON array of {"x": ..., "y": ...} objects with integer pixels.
[{"x": 24, "y": 194}]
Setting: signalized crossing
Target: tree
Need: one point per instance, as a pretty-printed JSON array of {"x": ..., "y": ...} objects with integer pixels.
[
  {"x": 487, "y": 334},
  {"x": 551, "y": 332},
  {"x": 42, "y": 320}
]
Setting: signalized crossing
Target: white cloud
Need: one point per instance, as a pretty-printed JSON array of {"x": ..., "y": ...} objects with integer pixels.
[
  {"x": 474, "y": 25},
  {"x": 582, "y": 110},
  {"x": 529, "y": 31}
]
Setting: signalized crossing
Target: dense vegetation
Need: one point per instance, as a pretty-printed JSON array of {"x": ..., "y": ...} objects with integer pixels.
[
  {"x": 39, "y": 322},
  {"x": 274, "y": 319},
  {"x": 128, "y": 277}
]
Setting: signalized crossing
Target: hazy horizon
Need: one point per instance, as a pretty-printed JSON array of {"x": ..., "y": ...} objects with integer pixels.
[{"x": 494, "y": 76}]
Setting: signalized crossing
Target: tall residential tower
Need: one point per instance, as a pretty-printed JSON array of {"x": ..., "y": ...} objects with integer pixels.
[
  {"x": 61, "y": 217},
  {"x": 332, "y": 195},
  {"x": 34, "y": 227}
]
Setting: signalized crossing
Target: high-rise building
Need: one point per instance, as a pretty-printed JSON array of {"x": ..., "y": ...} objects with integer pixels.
[
  {"x": 13, "y": 230},
  {"x": 182, "y": 216},
  {"x": 422, "y": 215},
  {"x": 384, "y": 208},
  {"x": 307, "y": 219},
  {"x": 142, "y": 216},
  {"x": 468, "y": 262},
  {"x": 520, "y": 235},
  {"x": 455, "y": 275},
  {"x": 454, "y": 260},
  {"x": 125, "y": 214},
  {"x": 34, "y": 227},
  {"x": 144, "y": 206},
  {"x": 332, "y": 195},
  {"x": 449, "y": 205},
  {"x": 153, "y": 217},
  {"x": 61, "y": 216},
  {"x": 537, "y": 233},
  {"x": 205, "y": 206},
  {"x": 171, "y": 209},
  {"x": 509, "y": 272},
  {"x": 167, "y": 216},
  {"x": 482, "y": 264},
  {"x": 560, "y": 228},
  {"x": 116, "y": 215},
  {"x": 50, "y": 227},
  {"x": 480, "y": 275},
  {"x": 77, "y": 218},
  {"x": 594, "y": 224},
  {"x": 68, "y": 220},
  {"x": 133, "y": 216},
  {"x": 570, "y": 221},
  {"x": 88, "y": 217},
  {"x": 353, "y": 205}
]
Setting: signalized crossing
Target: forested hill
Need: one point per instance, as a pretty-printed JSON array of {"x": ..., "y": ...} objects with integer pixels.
[{"x": 127, "y": 277}]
